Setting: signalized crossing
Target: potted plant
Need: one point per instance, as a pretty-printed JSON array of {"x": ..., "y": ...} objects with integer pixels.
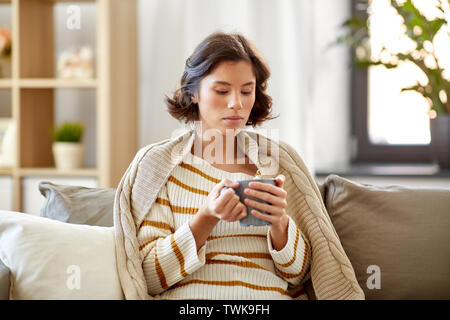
[
  {"x": 421, "y": 31},
  {"x": 67, "y": 147}
]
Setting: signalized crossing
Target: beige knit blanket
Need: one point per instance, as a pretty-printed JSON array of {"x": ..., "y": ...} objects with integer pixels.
[{"x": 332, "y": 274}]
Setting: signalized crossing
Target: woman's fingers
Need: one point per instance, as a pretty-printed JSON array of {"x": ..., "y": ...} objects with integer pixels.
[
  {"x": 276, "y": 201},
  {"x": 275, "y": 196},
  {"x": 276, "y": 191},
  {"x": 230, "y": 204},
  {"x": 224, "y": 183},
  {"x": 223, "y": 200},
  {"x": 229, "y": 207},
  {"x": 273, "y": 210},
  {"x": 263, "y": 216},
  {"x": 243, "y": 213},
  {"x": 238, "y": 212}
]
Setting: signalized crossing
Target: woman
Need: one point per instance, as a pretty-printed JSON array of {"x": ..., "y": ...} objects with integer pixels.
[{"x": 191, "y": 244}]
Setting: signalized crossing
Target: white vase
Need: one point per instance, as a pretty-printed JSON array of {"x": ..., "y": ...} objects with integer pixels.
[{"x": 68, "y": 155}]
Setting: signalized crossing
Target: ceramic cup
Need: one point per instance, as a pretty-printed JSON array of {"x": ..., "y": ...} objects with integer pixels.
[{"x": 250, "y": 220}]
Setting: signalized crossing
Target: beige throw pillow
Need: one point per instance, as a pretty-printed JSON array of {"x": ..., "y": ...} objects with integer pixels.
[
  {"x": 49, "y": 259},
  {"x": 396, "y": 238}
]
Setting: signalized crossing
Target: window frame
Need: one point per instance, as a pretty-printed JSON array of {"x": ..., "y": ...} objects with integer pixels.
[{"x": 364, "y": 150}]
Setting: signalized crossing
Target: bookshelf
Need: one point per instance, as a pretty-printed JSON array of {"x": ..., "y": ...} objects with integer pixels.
[{"x": 34, "y": 85}]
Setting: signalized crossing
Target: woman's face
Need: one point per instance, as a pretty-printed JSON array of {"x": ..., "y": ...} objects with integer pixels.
[{"x": 226, "y": 96}]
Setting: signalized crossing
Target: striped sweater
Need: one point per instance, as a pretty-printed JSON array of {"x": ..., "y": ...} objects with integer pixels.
[{"x": 235, "y": 262}]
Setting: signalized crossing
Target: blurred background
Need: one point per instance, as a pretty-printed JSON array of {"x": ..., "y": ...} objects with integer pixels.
[{"x": 342, "y": 120}]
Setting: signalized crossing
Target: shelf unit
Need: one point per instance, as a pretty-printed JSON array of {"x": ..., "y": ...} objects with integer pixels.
[{"x": 33, "y": 83}]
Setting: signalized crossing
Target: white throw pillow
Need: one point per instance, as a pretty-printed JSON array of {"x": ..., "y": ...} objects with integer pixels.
[{"x": 49, "y": 259}]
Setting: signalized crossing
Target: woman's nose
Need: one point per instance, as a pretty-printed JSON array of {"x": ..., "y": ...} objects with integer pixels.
[{"x": 235, "y": 102}]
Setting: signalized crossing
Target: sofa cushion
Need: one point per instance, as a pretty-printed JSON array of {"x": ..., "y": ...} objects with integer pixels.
[
  {"x": 49, "y": 259},
  {"x": 396, "y": 238},
  {"x": 81, "y": 205}
]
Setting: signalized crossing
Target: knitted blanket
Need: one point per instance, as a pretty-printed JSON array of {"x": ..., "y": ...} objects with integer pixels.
[{"x": 332, "y": 274}]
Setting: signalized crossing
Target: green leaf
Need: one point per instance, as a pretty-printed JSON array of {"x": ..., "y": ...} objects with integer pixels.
[
  {"x": 436, "y": 25},
  {"x": 68, "y": 132},
  {"x": 355, "y": 23}
]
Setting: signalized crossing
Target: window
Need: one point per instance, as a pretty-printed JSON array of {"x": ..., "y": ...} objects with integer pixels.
[{"x": 387, "y": 125}]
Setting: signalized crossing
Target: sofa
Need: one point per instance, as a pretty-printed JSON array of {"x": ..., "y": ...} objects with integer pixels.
[{"x": 396, "y": 238}]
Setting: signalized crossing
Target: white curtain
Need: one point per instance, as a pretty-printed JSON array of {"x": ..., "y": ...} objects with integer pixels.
[{"x": 283, "y": 30}]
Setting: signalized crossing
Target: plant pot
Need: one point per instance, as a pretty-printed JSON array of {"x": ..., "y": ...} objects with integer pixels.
[
  {"x": 440, "y": 140},
  {"x": 68, "y": 155}
]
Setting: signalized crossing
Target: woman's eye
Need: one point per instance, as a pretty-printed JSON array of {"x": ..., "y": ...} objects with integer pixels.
[{"x": 225, "y": 92}]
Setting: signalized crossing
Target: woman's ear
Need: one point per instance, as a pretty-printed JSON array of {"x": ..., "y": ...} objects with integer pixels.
[{"x": 194, "y": 99}]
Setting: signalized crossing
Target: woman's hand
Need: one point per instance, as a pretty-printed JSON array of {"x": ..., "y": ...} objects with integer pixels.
[
  {"x": 276, "y": 197},
  {"x": 225, "y": 206}
]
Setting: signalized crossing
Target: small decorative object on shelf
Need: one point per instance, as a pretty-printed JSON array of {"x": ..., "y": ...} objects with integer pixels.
[
  {"x": 7, "y": 158},
  {"x": 5, "y": 52},
  {"x": 76, "y": 64},
  {"x": 67, "y": 147}
]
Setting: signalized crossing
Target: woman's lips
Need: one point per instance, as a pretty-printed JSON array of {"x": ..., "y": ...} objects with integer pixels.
[{"x": 233, "y": 120}]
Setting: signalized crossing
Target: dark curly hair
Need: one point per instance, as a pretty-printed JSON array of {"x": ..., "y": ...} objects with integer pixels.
[{"x": 214, "y": 49}]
